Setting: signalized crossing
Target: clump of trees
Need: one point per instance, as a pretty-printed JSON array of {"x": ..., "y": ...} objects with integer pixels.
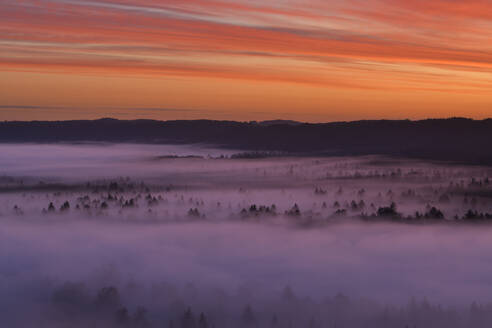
[
  {"x": 294, "y": 211},
  {"x": 195, "y": 213},
  {"x": 65, "y": 206},
  {"x": 129, "y": 203},
  {"x": 433, "y": 214},
  {"x": 388, "y": 212},
  {"x": 74, "y": 305},
  {"x": 261, "y": 210},
  {"x": 473, "y": 215},
  {"x": 357, "y": 206},
  {"x": 151, "y": 200},
  {"x": 340, "y": 212},
  {"x": 255, "y": 155}
]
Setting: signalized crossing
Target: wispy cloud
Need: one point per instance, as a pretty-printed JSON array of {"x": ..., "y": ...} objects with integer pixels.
[{"x": 398, "y": 45}]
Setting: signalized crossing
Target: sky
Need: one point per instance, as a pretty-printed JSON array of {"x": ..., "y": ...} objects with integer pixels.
[{"x": 311, "y": 60}]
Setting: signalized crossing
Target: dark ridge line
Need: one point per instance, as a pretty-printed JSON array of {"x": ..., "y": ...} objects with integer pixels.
[{"x": 458, "y": 140}]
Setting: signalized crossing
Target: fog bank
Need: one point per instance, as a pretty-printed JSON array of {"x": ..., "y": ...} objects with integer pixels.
[{"x": 87, "y": 231}]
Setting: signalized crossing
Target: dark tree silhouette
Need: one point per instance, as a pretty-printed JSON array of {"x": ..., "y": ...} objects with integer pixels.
[
  {"x": 248, "y": 318},
  {"x": 202, "y": 321},
  {"x": 108, "y": 299},
  {"x": 65, "y": 206},
  {"x": 140, "y": 318},
  {"x": 389, "y": 211},
  {"x": 122, "y": 317},
  {"x": 188, "y": 319}
]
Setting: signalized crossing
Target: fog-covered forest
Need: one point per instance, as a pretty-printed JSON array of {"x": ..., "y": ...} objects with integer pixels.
[{"x": 123, "y": 235}]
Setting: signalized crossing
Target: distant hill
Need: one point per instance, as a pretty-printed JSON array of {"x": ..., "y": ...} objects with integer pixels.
[
  {"x": 455, "y": 139},
  {"x": 280, "y": 122}
]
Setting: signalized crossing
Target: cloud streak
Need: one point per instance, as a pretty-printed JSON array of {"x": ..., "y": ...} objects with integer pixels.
[{"x": 443, "y": 46}]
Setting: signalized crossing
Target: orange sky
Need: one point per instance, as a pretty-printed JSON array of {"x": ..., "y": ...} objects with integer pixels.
[{"x": 312, "y": 60}]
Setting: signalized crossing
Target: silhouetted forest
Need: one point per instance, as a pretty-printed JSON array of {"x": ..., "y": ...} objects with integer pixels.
[
  {"x": 75, "y": 305},
  {"x": 457, "y": 139}
]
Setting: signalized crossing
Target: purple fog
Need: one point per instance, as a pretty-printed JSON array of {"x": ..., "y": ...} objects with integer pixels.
[{"x": 110, "y": 235}]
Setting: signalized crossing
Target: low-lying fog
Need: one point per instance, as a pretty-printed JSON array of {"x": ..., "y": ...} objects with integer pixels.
[{"x": 107, "y": 235}]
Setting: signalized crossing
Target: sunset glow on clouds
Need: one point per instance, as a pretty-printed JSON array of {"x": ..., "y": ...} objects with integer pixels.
[{"x": 317, "y": 60}]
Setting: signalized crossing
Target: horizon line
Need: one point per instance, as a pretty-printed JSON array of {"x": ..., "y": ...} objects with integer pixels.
[{"x": 279, "y": 120}]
